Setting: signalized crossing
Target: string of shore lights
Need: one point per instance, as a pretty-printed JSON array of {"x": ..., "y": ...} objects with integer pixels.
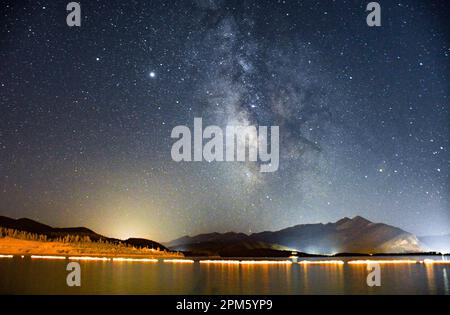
[{"x": 238, "y": 262}]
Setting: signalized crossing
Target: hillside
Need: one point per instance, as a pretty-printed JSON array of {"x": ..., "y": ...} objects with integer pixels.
[
  {"x": 356, "y": 235},
  {"x": 52, "y": 233}
]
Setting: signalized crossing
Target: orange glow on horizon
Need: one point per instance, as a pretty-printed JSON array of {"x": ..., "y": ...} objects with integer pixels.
[
  {"x": 439, "y": 262},
  {"x": 321, "y": 262},
  {"x": 266, "y": 262},
  {"x": 47, "y": 257},
  {"x": 135, "y": 259},
  {"x": 226, "y": 262},
  {"x": 180, "y": 261},
  {"x": 89, "y": 258},
  {"x": 393, "y": 261},
  {"x": 6, "y": 256}
]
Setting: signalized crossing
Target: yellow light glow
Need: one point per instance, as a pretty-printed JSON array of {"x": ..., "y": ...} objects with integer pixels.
[
  {"x": 135, "y": 259},
  {"x": 89, "y": 258},
  {"x": 439, "y": 262},
  {"x": 321, "y": 262},
  {"x": 180, "y": 261},
  {"x": 47, "y": 257},
  {"x": 393, "y": 261},
  {"x": 6, "y": 256},
  {"x": 266, "y": 262},
  {"x": 226, "y": 262}
]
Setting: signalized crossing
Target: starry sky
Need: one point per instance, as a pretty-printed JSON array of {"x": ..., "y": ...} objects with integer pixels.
[{"x": 86, "y": 114}]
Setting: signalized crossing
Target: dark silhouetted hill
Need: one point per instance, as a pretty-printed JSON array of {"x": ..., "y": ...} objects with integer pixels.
[{"x": 31, "y": 226}]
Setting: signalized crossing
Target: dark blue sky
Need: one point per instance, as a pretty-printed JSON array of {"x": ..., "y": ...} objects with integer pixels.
[{"x": 363, "y": 114}]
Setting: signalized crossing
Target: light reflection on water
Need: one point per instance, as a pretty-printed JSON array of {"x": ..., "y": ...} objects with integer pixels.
[
  {"x": 446, "y": 284},
  {"x": 19, "y": 276}
]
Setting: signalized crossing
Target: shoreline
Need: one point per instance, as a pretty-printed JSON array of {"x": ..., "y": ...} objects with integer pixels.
[{"x": 20, "y": 247}]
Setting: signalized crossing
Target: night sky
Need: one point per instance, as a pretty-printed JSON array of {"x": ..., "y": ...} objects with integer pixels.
[{"x": 86, "y": 114}]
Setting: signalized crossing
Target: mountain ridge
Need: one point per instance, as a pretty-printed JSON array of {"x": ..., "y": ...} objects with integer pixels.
[
  {"x": 347, "y": 235},
  {"x": 355, "y": 235},
  {"x": 35, "y": 227}
]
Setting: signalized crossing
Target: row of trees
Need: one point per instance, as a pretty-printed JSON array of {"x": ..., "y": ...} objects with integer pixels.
[
  {"x": 23, "y": 235},
  {"x": 85, "y": 244},
  {"x": 17, "y": 234}
]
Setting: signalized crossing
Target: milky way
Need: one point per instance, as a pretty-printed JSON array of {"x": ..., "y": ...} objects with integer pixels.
[{"x": 87, "y": 113}]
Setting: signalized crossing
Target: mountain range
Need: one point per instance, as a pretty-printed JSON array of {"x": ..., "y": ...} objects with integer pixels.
[
  {"x": 349, "y": 235},
  {"x": 356, "y": 235}
]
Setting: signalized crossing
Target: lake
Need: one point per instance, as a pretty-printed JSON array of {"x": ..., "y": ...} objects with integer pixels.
[{"x": 48, "y": 276}]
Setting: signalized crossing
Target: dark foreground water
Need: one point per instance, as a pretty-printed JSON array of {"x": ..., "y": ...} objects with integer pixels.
[{"x": 42, "y": 276}]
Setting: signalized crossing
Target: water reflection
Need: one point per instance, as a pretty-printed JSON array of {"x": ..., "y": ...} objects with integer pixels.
[
  {"x": 323, "y": 278},
  {"x": 47, "y": 276},
  {"x": 446, "y": 284},
  {"x": 429, "y": 268}
]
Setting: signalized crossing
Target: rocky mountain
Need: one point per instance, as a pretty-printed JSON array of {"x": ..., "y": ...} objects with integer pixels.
[{"x": 356, "y": 235}]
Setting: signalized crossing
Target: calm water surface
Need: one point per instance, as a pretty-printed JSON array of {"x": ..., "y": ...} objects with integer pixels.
[{"x": 26, "y": 276}]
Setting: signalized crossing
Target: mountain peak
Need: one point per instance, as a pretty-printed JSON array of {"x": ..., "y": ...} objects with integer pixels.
[
  {"x": 343, "y": 220},
  {"x": 347, "y": 235},
  {"x": 355, "y": 220},
  {"x": 360, "y": 219}
]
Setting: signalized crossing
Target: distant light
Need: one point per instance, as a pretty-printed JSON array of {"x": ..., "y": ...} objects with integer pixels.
[
  {"x": 393, "y": 261},
  {"x": 321, "y": 262},
  {"x": 135, "y": 259},
  {"x": 266, "y": 262},
  {"x": 431, "y": 261},
  {"x": 47, "y": 257},
  {"x": 152, "y": 74},
  {"x": 89, "y": 258},
  {"x": 228, "y": 262},
  {"x": 6, "y": 256},
  {"x": 180, "y": 261}
]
